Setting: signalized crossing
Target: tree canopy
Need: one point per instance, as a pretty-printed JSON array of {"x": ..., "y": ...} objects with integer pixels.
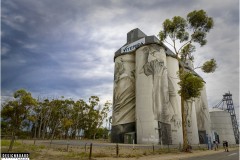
[
  {"x": 53, "y": 118},
  {"x": 184, "y": 34}
]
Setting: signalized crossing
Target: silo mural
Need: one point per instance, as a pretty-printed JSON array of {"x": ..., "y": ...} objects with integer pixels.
[
  {"x": 146, "y": 103},
  {"x": 123, "y": 119}
]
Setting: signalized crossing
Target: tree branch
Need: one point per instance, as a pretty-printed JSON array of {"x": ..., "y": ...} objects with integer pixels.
[
  {"x": 197, "y": 67},
  {"x": 168, "y": 43},
  {"x": 184, "y": 45},
  {"x": 175, "y": 48}
]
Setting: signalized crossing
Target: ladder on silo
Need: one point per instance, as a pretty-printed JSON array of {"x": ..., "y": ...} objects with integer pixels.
[{"x": 230, "y": 108}]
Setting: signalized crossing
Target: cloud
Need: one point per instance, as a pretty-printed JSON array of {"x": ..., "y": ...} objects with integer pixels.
[{"x": 56, "y": 48}]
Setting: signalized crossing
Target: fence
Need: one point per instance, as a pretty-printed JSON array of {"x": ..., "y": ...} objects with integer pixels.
[{"x": 101, "y": 149}]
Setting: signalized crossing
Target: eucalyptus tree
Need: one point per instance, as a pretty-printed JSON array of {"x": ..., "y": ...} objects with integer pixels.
[
  {"x": 52, "y": 117},
  {"x": 57, "y": 113},
  {"x": 67, "y": 119},
  {"x": 46, "y": 114},
  {"x": 40, "y": 117},
  {"x": 95, "y": 116},
  {"x": 79, "y": 117},
  {"x": 182, "y": 34},
  {"x": 16, "y": 112}
]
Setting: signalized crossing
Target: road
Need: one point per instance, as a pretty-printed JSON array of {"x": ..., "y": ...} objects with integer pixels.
[
  {"x": 231, "y": 155},
  {"x": 87, "y": 142}
]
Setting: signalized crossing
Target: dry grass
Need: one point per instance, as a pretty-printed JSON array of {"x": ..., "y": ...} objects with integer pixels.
[{"x": 61, "y": 152}]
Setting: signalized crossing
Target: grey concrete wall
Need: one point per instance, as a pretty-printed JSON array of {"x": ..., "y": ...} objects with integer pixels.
[
  {"x": 192, "y": 130},
  {"x": 222, "y": 124},
  {"x": 147, "y": 126},
  {"x": 157, "y": 101},
  {"x": 123, "y": 116},
  {"x": 174, "y": 100},
  {"x": 124, "y": 90},
  {"x": 202, "y": 112}
]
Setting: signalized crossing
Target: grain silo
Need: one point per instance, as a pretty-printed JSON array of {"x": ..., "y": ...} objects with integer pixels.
[
  {"x": 222, "y": 129},
  {"x": 146, "y": 103},
  {"x": 224, "y": 121}
]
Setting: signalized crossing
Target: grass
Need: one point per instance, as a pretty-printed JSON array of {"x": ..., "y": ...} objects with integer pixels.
[
  {"x": 76, "y": 155},
  {"x": 56, "y": 152},
  {"x": 21, "y": 148},
  {"x": 7, "y": 143}
]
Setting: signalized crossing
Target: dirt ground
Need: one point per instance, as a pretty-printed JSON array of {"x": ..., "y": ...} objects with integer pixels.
[
  {"x": 43, "y": 150},
  {"x": 171, "y": 156}
]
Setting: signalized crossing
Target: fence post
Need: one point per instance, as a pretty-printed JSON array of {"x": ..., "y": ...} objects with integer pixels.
[
  {"x": 90, "y": 155},
  {"x": 67, "y": 145},
  {"x": 85, "y": 147},
  {"x": 133, "y": 143},
  {"x": 153, "y": 148},
  {"x": 117, "y": 150},
  {"x": 51, "y": 143}
]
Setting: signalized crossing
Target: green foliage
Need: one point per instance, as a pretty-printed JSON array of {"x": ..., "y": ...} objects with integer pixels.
[
  {"x": 199, "y": 37},
  {"x": 186, "y": 52},
  {"x": 174, "y": 29},
  {"x": 191, "y": 30},
  {"x": 102, "y": 133},
  {"x": 15, "y": 113},
  {"x": 209, "y": 66},
  {"x": 188, "y": 32},
  {"x": 95, "y": 115},
  {"x": 190, "y": 85},
  {"x": 7, "y": 143},
  {"x": 199, "y": 21},
  {"x": 52, "y": 118},
  {"x": 201, "y": 24}
]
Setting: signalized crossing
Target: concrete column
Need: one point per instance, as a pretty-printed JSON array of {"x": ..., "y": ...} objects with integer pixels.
[
  {"x": 147, "y": 126},
  {"x": 192, "y": 130},
  {"x": 203, "y": 117},
  {"x": 205, "y": 111},
  {"x": 174, "y": 100},
  {"x": 123, "y": 116}
]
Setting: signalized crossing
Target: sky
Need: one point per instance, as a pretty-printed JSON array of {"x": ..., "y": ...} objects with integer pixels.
[{"x": 56, "y": 48}]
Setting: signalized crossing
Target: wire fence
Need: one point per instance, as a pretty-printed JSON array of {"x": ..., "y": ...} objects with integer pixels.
[{"x": 104, "y": 149}]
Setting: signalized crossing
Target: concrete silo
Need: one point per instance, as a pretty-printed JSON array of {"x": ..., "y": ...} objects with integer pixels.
[
  {"x": 124, "y": 99},
  {"x": 221, "y": 124},
  {"x": 157, "y": 117},
  {"x": 147, "y": 106}
]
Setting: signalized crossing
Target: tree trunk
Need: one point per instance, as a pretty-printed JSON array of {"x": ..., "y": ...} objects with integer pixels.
[
  {"x": 46, "y": 124},
  {"x": 53, "y": 132},
  {"x": 35, "y": 130},
  {"x": 54, "y": 129},
  {"x": 66, "y": 134},
  {"x": 184, "y": 126},
  {"x": 44, "y": 127},
  {"x": 11, "y": 143},
  {"x": 94, "y": 136},
  {"x": 40, "y": 126}
]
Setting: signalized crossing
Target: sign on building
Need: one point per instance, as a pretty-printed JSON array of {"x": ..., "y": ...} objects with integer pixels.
[{"x": 132, "y": 46}]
